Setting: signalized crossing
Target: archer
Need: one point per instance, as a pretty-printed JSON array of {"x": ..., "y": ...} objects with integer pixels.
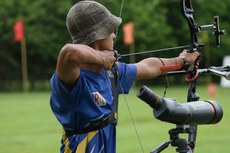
[{"x": 88, "y": 79}]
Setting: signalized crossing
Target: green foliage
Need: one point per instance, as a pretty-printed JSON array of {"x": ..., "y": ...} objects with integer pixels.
[
  {"x": 158, "y": 24},
  {"x": 45, "y": 33}
]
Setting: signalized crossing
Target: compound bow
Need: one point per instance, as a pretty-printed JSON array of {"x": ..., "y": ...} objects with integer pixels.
[
  {"x": 187, "y": 11},
  {"x": 192, "y": 74}
]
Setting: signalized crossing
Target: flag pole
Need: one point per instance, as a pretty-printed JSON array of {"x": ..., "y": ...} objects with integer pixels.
[
  {"x": 129, "y": 39},
  {"x": 25, "y": 83},
  {"x": 20, "y": 36},
  {"x": 132, "y": 59}
]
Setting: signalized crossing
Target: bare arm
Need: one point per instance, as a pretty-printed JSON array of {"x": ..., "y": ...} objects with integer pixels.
[
  {"x": 150, "y": 67},
  {"x": 74, "y": 55}
]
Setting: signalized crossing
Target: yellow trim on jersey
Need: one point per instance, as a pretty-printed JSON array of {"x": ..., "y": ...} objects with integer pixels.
[
  {"x": 66, "y": 142},
  {"x": 82, "y": 146}
]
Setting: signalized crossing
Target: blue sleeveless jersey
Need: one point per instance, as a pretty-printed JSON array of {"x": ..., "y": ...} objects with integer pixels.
[{"x": 89, "y": 102}]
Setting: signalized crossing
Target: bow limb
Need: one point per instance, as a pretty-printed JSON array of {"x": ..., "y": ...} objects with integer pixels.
[{"x": 187, "y": 12}]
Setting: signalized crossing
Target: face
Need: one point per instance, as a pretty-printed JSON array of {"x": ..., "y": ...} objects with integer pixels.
[{"x": 107, "y": 43}]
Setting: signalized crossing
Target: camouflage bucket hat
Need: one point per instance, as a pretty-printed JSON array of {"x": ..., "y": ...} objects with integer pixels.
[{"x": 88, "y": 21}]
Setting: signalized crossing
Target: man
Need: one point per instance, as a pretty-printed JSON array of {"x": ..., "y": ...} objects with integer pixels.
[{"x": 83, "y": 92}]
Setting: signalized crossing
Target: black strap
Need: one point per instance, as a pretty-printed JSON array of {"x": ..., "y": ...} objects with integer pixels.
[
  {"x": 98, "y": 126},
  {"x": 113, "y": 75}
]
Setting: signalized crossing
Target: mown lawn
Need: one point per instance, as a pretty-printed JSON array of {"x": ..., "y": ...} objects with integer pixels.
[{"x": 28, "y": 125}]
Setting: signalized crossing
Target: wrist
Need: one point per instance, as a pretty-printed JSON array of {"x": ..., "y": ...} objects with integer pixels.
[{"x": 185, "y": 61}]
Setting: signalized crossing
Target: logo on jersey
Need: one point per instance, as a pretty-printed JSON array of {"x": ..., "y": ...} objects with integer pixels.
[
  {"x": 99, "y": 99},
  {"x": 110, "y": 73}
]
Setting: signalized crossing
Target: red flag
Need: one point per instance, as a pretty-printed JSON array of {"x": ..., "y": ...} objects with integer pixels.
[
  {"x": 128, "y": 30},
  {"x": 19, "y": 30}
]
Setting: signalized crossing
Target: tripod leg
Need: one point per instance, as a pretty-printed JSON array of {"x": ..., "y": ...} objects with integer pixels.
[{"x": 161, "y": 147}]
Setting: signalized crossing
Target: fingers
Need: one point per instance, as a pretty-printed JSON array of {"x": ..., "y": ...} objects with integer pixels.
[
  {"x": 197, "y": 63},
  {"x": 109, "y": 58},
  {"x": 115, "y": 53}
]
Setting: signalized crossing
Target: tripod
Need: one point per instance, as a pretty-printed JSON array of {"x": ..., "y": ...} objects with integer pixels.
[{"x": 183, "y": 145}]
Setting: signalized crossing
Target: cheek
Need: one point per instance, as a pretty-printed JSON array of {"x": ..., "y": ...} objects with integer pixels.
[{"x": 108, "y": 44}]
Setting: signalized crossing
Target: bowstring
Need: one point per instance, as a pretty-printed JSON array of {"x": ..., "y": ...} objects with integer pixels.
[
  {"x": 120, "y": 13},
  {"x": 131, "y": 117},
  {"x": 122, "y": 90}
]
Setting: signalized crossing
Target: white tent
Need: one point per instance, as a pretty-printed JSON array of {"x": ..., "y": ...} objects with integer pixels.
[{"x": 224, "y": 82}]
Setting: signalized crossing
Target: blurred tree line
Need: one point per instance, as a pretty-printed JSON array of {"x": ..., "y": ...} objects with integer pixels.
[{"x": 158, "y": 24}]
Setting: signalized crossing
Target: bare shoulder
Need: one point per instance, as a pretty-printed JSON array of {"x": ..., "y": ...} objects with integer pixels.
[
  {"x": 67, "y": 68},
  {"x": 67, "y": 49}
]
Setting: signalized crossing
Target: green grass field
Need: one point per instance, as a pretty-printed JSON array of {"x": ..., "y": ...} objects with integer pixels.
[{"x": 28, "y": 125}]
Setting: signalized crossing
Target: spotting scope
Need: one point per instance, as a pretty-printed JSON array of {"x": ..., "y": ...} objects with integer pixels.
[{"x": 169, "y": 110}]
